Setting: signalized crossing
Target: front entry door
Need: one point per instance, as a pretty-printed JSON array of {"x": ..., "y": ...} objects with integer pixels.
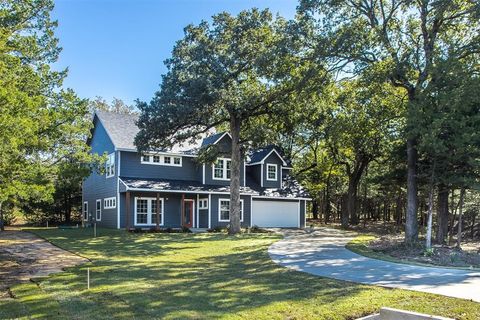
[{"x": 188, "y": 213}]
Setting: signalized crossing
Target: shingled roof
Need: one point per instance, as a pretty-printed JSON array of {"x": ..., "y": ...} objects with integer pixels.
[
  {"x": 122, "y": 129},
  {"x": 260, "y": 154}
]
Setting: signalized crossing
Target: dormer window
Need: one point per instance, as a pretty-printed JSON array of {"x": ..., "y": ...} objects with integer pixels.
[
  {"x": 110, "y": 165},
  {"x": 271, "y": 172},
  {"x": 166, "y": 160},
  {"x": 221, "y": 169}
]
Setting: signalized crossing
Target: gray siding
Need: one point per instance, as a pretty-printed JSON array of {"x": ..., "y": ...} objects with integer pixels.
[
  {"x": 97, "y": 186},
  {"x": 215, "y": 210},
  {"x": 131, "y": 166},
  {"x": 272, "y": 159},
  {"x": 225, "y": 149}
]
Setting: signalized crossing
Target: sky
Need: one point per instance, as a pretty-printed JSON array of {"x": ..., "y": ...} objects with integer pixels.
[{"x": 116, "y": 48}]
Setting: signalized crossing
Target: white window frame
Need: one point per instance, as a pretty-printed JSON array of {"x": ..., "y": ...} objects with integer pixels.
[
  {"x": 203, "y": 203},
  {"x": 98, "y": 210},
  {"x": 161, "y": 159},
  {"x": 150, "y": 215},
  {"x": 272, "y": 165},
  {"x": 219, "y": 210},
  {"x": 110, "y": 165},
  {"x": 224, "y": 169},
  {"x": 85, "y": 210},
  {"x": 110, "y": 203}
]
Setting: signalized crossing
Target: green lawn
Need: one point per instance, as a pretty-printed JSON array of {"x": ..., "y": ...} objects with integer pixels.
[{"x": 203, "y": 276}]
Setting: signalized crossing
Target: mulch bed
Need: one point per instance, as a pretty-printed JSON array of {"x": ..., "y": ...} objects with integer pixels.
[{"x": 442, "y": 255}]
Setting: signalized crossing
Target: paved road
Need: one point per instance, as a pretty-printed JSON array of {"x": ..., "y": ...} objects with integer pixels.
[{"x": 323, "y": 253}]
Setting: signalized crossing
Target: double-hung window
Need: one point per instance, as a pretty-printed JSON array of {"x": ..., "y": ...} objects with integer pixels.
[
  {"x": 146, "y": 211},
  {"x": 224, "y": 210},
  {"x": 203, "y": 203},
  {"x": 110, "y": 165},
  {"x": 85, "y": 210},
  {"x": 98, "y": 210},
  {"x": 271, "y": 172},
  {"x": 222, "y": 169}
]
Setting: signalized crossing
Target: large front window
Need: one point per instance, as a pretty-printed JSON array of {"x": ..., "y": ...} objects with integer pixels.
[
  {"x": 224, "y": 210},
  {"x": 222, "y": 169},
  {"x": 146, "y": 211}
]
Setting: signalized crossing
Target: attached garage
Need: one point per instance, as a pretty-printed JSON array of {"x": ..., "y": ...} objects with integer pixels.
[{"x": 276, "y": 214}]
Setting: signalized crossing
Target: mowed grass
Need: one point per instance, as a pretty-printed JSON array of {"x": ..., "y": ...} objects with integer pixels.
[{"x": 200, "y": 276}]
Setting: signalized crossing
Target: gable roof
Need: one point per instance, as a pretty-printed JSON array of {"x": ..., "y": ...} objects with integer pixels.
[
  {"x": 214, "y": 138},
  {"x": 122, "y": 129},
  {"x": 258, "y": 156}
]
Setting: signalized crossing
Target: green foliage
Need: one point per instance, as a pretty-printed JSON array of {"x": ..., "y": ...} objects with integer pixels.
[{"x": 41, "y": 124}]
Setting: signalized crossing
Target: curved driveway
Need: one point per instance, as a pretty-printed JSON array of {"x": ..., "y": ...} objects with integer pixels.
[{"x": 323, "y": 253}]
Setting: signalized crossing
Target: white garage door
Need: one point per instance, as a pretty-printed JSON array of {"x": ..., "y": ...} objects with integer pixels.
[{"x": 275, "y": 214}]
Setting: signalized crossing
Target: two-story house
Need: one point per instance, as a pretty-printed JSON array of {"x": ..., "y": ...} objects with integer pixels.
[{"x": 173, "y": 189}]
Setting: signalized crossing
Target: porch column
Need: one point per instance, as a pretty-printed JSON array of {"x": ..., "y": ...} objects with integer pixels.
[
  {"x": 182, "y": 212},
  {"x": 158, "y": 212},
  {"x": 127, "y": 210}
]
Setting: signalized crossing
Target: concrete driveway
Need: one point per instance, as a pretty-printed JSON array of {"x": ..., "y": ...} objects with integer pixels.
[{"x": 323, "y": 253}]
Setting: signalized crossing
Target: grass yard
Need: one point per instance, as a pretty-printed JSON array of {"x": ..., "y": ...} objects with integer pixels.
[{"x": 202, "y": 276}]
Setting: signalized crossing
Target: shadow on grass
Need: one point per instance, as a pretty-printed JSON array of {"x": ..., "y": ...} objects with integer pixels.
[{"x": 179, "y": 276}]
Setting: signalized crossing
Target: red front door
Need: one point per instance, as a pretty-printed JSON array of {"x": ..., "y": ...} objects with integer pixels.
[{"x": 188, "y": 213}]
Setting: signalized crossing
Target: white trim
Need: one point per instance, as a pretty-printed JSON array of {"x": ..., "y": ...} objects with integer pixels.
[
  {"x": 198, "y": 211},
  {"x": 111, "y": 206},
  {"x": 200, "y": 201},
  {"x": 261, "y": 176},
  {"x": 149, "y": 211},
  {"x": 193, "y": 210},
  {"x": 98, "y": 210},
  {"x": 84, "y": 211},
  {"x": 299, "y": 215},
  {"x": 281, "y": 176},
  {"x": 251, "y": 212},
  {"x": 123, "y": 183},
  {"x": 203, "y": 173},
  {"x": 161, "y": 160},
  {"x": 272, "y": 165},
  {"x": 224, "y": 169},
  {"x": 108, "y": 165},
  {"x": 263, "y": 159},
  {"x": 242, "y": 215},
  {"x": 118, "y": 190},
  {"x": 209, "y": 211},
  {"x": 183, "y": 191},
  {"x": 221, "y": 137},
  {"x": 282, "y": 198},
  {"x": 305, "y": 214},
  {"x": 161, "y": 152}
]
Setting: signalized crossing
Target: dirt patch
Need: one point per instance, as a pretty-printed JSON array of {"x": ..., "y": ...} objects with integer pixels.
[
  {"x": 23, "y": 256},
  {"x": 442, "y": 255}
]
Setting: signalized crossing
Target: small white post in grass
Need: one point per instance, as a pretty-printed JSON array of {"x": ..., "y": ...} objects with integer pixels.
[
  {"x": 88, "y": 278},
  {"x": 95, "y": 230},
  {"x": 47, "y": 224}
]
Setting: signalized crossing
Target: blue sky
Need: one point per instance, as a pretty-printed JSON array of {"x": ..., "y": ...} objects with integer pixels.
[{"x": 116, "y": 48}]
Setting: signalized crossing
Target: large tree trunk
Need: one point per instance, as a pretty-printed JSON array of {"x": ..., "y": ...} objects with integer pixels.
[
  {"x": 2, "y": 224},
  {"x": 460, "y": 212},
  {"x": 351, "y": 202},
  {"x": 315, "y": 209},
  {"x": 344, "y": 212},
  {"x": 411, "y": 223},
  {"x": 442, "y": 214},
  {"x": 235, "y": 177}
]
